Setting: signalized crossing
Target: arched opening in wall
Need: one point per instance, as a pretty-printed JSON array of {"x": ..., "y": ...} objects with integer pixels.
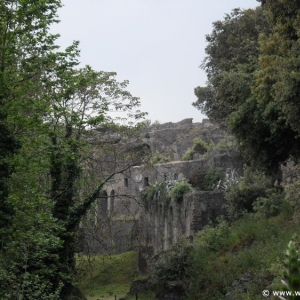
[
  {"x": 146, "y": 181},
  {"x": 160, "y": 209},
  {"x": 126, "y": 182},
  {"x": 171, "y": 213},
  {"x": 170, "y": 225},
  {"x": 112, "y": 201},
  {"x": 102, "y": 203}
]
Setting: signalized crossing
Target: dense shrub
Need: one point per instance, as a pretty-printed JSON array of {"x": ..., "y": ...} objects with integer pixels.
[
  {"x": 270, "y": 205},
  {"x": 226, "y": 252},
  {"x": 159, "y": 158},
  {"x": 213, "y": 238},
  {"x": 199, "y": 146},
  {"x": 211, "y": 179},
  {"x": 241, "y": 197},
  {"x": 292, "y": 194},
  {"x": 179, "y": 189},
  {"x": 226, "y": 143},
  {"x": 170, "y": 264}
]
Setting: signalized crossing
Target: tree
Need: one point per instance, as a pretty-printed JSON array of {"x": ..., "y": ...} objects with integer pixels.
[
  {"x": 81, "y": 104},
  {"x": 232, "y": 57},
  {"x": 276, "y": 84},
  {"x": 24, "y": 46},
  {"x": 234, "y": 92},
  {"x": 25, "y": 49},
  {"x": 278, "y": 77},
  {"x": 58, "y": 125}
]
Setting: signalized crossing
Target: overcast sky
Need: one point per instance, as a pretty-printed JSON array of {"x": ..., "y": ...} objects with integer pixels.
[{"x": 158, "y": 45}]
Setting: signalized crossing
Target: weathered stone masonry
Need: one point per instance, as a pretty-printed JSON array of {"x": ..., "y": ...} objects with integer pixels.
[{"x": 153, "y": 229}]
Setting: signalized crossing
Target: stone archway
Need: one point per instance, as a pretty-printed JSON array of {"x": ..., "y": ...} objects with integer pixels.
[
  {"x": 112, "y": 201},
  {"x": 102, "y": 203}
]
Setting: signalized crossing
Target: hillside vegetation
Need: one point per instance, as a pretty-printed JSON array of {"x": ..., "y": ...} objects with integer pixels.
[{"x": 240, "y": 254}]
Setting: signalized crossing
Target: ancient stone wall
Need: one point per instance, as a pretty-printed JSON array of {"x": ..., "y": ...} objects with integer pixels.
[
  {"x": 173, "y": 139},
  {"x": 121, "y": 220},
  {"x": 163, "y": 225},
  {"x": 111, "y": 236}
]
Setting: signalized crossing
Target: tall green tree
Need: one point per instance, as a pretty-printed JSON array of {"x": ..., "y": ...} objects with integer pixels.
[
  {"x": 56, "y": 123},
  {"x": 278, "y": 76},
  {"x": 81, "y": 101},
  {"x": 24, "y": 46},
  {"x": 233, "y": 96},
  {"x": 232, "y": 57}
]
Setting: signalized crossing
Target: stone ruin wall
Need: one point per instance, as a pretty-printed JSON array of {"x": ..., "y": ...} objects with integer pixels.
[
  {"x": 173, "y": 139},
  {"x": 126, "y": 224}
]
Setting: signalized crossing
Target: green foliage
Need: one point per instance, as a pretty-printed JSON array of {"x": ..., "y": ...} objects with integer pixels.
[
  {"x": 226, "y": 252},
  {"x": 278, "y": 78},
  {"x": 292, "y": 194},
  {"x": 51, "y": 111},
  {"x": 199, "y": 146},
  {"x": 241, "y": 197},
  {"x": 211, "y": 179},
  {"x": 170, "y": 264},
  {"x": 106, "y": 276},
  {"x": 159, "y": 158},
  {"x": 232, "y": 55},
  {"x": 226, "y": 143},
  {"x": 179, "y": 189},
  {"x": 270, "y": 205},
  {"x": 291, "y": 281},
  {"x": 253, "y": 88},
  {"x": 29, "y": 266},
  {"x": 188, "y": 155},
  {"x": 156, "y": 191},
  {"x": 214, "y": 238},
  {"x": 164, "y": 191},
  {"x": 232, "y": 178}
]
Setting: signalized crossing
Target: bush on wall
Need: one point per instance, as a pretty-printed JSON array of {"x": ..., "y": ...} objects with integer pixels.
[
  {"x": 211, "y": 179},
  {"x": 199, "y": 146},
  {"x": 179, "y": 189}
]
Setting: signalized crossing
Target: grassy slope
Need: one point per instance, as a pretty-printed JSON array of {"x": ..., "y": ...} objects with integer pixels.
[
  {"x": 250, "y": 245},
  {"x": 108, "y": 276}
]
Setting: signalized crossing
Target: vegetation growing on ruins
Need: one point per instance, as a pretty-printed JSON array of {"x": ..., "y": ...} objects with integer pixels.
[
  {"x": 163, "y": 192},
  {"x": 179, "y": 189},
  {"x": 211, "y": 179},
  {"x": 251, "y": 248},
  {"x": 199, "y": 146},
  {"x": 159, "y": 158}
]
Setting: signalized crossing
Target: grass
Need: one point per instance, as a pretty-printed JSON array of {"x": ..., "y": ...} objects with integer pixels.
[
  {"x": 250, "y": 245},
  {"x": 104, "y": 277},
  {"x": 107, "y": 276}
]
